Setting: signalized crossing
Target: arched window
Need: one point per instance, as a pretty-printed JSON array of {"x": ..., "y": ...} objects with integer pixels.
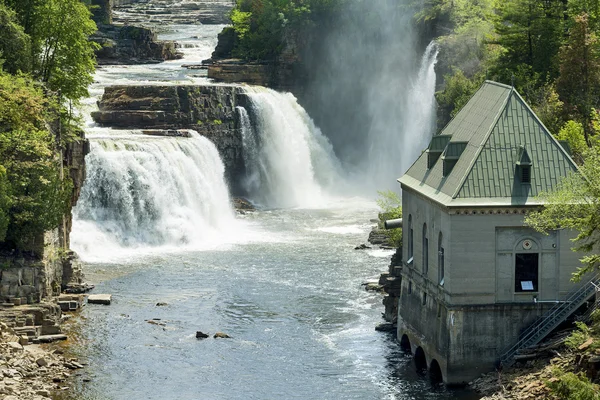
[
  {"x": 441, "y": 259},
  {"x": 410, "y": 240},
  {"x": 425, "y": 250}
]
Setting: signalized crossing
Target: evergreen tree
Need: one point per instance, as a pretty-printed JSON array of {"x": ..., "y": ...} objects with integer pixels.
[{"x": 579, "y": 82}]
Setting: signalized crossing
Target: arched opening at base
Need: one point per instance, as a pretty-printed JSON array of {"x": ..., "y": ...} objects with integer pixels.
[
  {"x": 435, "y": 373},
  {"x": 405, "y": 344},
  {"x": 420, "y": 361}
]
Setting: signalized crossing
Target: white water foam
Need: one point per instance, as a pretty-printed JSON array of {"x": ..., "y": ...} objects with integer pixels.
[
  {"x": 146, "y": 192},
  {"x": 289, "y": 162}
]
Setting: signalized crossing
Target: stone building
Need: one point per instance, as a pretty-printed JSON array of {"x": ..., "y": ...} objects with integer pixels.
[{"x": 473, "y": 275}]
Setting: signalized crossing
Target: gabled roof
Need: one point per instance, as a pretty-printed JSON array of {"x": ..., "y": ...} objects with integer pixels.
[{"x": 492, "y": 135}]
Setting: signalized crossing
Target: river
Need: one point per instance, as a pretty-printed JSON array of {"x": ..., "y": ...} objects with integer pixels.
[{"x": 154, "y": 226}]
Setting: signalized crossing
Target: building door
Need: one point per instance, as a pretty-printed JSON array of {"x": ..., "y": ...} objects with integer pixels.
[{"x": 526, "y": 272}]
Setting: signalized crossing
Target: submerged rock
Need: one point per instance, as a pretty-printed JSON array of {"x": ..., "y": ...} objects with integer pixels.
[{"x": 362, "y": 247}]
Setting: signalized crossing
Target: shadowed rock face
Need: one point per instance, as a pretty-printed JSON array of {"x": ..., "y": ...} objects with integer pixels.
[
  {"x": 161, "y": 110},
  {"x": 161, "y": 12}
]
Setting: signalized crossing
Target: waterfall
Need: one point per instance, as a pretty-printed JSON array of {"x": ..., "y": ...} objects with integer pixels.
[
  {"x": 289, "y": 163},
  {"x": 420, "y": 113},
  {"x": 145, "y": 191}
]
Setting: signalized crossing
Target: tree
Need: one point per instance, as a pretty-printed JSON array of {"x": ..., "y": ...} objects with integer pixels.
[
  {"x": 61, "y": 54},
  {"x": 15, "y": 45},
  {"x": 579, "y": 82},
  {"x": 530, "y": 32},
  {"x": 576, "y": 205},
  {"x": 33, "y": 197},
  {"x": 67, "y": 60},
  {"x": 4, "y": 203},
  {"x": 572, "y": 133}
]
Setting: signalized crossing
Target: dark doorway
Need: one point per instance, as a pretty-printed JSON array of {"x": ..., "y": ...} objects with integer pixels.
[{"x": 526, "y": 272}]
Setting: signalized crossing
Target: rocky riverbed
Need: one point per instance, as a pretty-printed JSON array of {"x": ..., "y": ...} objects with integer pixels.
[{"x": 31, "y": 372}]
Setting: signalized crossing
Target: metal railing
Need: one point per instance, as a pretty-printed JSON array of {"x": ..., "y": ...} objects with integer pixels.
[{"x": 551, "y": 319}]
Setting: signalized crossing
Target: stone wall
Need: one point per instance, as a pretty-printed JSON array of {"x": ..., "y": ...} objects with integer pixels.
[{"x": 207, "y": 109}]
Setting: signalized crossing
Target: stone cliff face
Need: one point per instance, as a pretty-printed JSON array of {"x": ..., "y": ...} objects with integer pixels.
[
  {"x": 208, "y": 109},
  {"x": 277, "y": 75},
  {"x": 161, "y": 12},
  {"x": 127, "y": 44},
  {"x": 132, "y": 45}
]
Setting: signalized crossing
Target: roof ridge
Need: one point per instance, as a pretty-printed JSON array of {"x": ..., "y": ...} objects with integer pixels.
[{"x": 486, "y": 138}]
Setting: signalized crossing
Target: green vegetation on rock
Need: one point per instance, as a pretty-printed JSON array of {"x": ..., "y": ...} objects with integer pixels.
[
  {"x": 391, "y": 208},
  {"x": 46, "y": 65}
]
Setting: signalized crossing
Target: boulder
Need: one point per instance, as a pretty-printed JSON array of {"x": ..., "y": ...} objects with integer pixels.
[
  {"x": 221, "y": 335},
  {"x": 201, "y": 335}
]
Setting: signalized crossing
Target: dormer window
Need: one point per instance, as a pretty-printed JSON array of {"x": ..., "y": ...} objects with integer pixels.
[
  {"x": 436, "y": 147},
  {"x": 451, "y": 155},
  {"x": 524, "y": 166}
]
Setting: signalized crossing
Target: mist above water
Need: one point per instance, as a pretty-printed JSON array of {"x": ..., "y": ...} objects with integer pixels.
[{"x": 372, "y": 90}]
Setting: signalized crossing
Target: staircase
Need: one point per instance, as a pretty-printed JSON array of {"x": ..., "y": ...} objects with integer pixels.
[{"x": 551, "y": 319}]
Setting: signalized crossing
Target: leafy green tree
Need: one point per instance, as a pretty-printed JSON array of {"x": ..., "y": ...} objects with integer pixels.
[
  {"x": 547, "y": 105},
  {"x": 67, "y": 61},
  {"x": 457, "y": 92},
  {"x": 576, "y": 205},
  {"x": 15, "y": 46},
  {"x": 33, "y": 197},
  {"x": 579, "y": 82},
  {"x": 572, "y": 133},
  {"x": 4, "y": 203},
  {"x": 62, "y": 56}
]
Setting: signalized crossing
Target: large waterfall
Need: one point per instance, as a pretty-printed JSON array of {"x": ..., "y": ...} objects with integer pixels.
[
  {"x": 151, "y": 191},
  {"x": 289, "y": 163}
]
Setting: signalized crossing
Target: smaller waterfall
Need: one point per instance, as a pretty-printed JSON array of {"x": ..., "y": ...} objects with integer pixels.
[
  {"x": 147, "y": 191},
  {"x": 404, "y": 123},
  {"x": 421, "y": 109},
  {"x": 289, "y": 162}
]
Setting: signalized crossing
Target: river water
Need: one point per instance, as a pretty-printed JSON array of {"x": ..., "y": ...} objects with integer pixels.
[{"x": 154, "y": 225}]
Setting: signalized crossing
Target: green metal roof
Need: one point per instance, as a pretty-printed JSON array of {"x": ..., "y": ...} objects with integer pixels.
[{"x": 492, "y": 135}]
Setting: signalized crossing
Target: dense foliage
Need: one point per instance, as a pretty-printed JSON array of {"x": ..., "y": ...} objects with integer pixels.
[
  {"x": 46, "y": 64},
  {"x": 56, "y": 34},
  {"x": 264, "y": 28},
  {"x": 547, "y": 49}
]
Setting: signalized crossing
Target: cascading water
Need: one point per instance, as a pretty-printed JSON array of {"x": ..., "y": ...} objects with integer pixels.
[
  {"x": 147, "y": 191},
  {"x": 369, "y": 89},
  {"x": 418, "y": 123},
  {"x": 289, "y": 162}
]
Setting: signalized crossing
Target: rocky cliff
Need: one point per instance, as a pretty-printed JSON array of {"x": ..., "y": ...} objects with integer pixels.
[
  {"x": 127, "y": 44},
  {"x": 161, "y": 12},
  {"x": 208, "y": 109}
]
